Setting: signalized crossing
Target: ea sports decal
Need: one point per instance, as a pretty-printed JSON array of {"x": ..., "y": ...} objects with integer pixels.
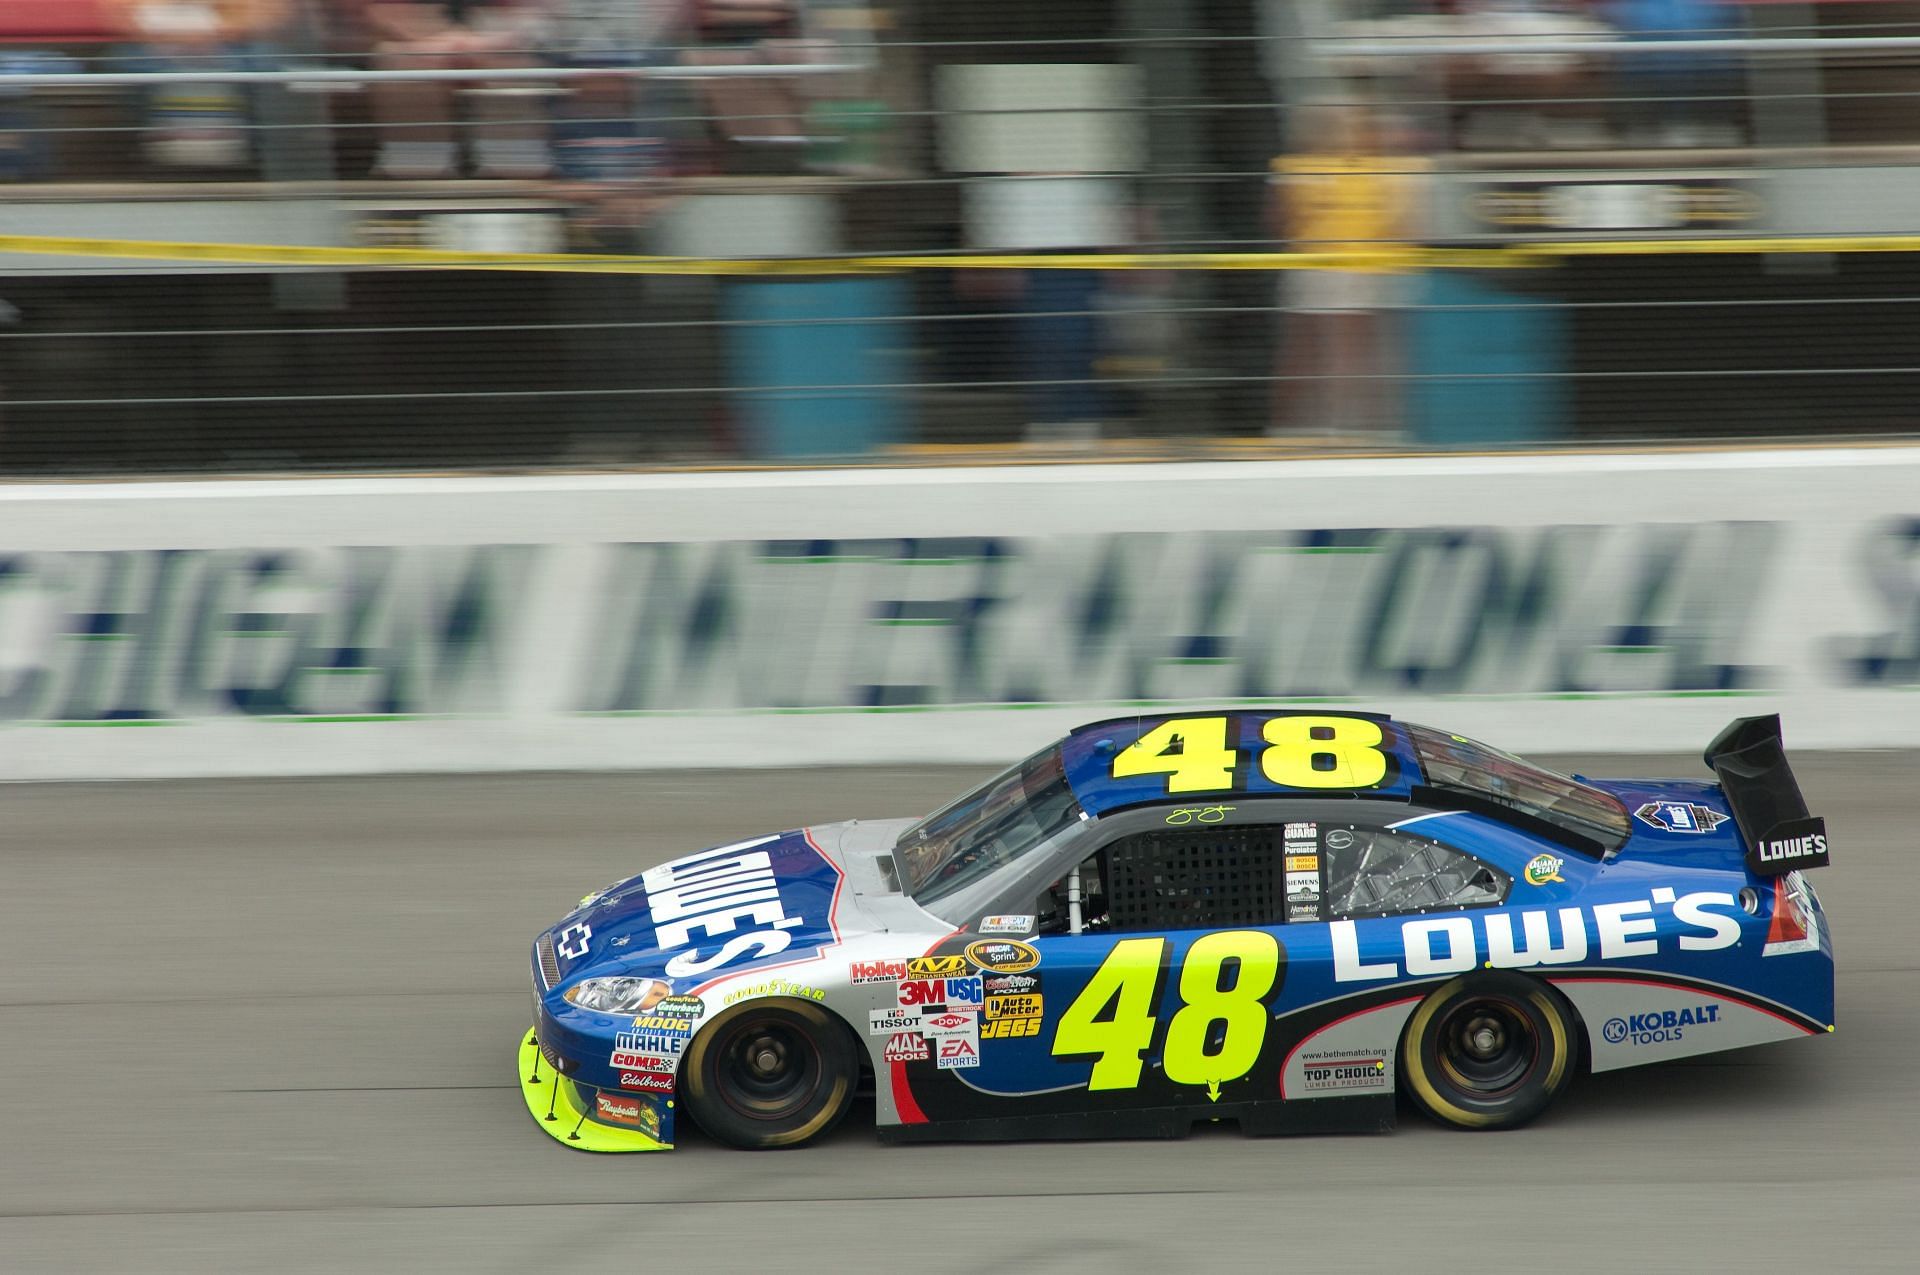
[{"x": 1679, "y": 816}]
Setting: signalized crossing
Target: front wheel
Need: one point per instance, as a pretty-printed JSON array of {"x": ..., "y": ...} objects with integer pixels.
[
  {"x": 1488, "y": 1051},
  {"x": 770, "y": 1074}
]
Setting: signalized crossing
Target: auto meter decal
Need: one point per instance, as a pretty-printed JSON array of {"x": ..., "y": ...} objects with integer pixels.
[{"x": 1003, "y": 956}]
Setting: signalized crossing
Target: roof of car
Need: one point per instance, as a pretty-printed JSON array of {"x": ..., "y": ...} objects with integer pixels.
[{"x": 1212, "y": 756}]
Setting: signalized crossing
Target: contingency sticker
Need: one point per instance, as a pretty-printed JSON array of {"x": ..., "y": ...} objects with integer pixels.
[{"x": 1302, "y": 861}]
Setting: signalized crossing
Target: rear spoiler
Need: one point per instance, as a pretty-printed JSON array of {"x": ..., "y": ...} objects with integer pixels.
[{"x": 1765, "y": 799}]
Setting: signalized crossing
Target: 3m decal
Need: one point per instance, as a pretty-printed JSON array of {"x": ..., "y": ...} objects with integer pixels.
[
  {"x": 1214, "y": 1037},
  {"x": 1543, "y": 868},
  {"x": 923, "y": 991},
  {"x": 1679, "y": 816},
  {"x": 935, "y": 966},
  {"x": 1305, "y": 751},
  {"x": 1003, "y": 956}
]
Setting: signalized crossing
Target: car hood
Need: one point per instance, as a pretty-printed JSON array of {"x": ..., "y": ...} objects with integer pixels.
[{"x": 719, "y": 911}]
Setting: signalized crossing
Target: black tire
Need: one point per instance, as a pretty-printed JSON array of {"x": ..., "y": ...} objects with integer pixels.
[
  {"x": 1489, "y": 1051},
  {"x": 770, "y": 1074}
]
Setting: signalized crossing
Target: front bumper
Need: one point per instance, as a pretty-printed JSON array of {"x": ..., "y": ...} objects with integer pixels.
[{"x": 588, "y": 1119}]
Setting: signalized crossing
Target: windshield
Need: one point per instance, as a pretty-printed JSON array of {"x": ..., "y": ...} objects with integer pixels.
[
  {"x": 1452, "y": 761},
  {"x": 994, "y": 824}
]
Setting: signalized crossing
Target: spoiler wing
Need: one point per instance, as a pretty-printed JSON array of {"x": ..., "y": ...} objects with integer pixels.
[{"x": 1765, "y": 798}]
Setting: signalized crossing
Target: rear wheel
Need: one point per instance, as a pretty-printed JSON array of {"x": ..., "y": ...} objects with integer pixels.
[
  {"x": 1488, "y": 1051},
  {"x": 770, "y": 1074}
]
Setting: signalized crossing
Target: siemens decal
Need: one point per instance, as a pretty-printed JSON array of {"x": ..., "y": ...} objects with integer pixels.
[
  {"x": 1563, "y": 936},
  {"x": 731, "y": 894}
]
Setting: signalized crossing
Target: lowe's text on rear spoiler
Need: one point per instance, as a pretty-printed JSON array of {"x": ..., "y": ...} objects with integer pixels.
[{"x": 1765, "y": 799}]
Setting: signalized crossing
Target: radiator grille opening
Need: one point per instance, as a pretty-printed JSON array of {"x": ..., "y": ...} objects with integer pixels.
[
  {"x": 549, "y": 964},
  {"x": 1195, "y": 878}
]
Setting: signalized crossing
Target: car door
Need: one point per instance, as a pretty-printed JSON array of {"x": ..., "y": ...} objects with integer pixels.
[{"x": 1158, "y": 1008}]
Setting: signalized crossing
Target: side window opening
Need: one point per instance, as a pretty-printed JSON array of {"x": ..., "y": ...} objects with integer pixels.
[
  {"x": 1176, "y": 879},
  {"x": 1376, "y": 872}
]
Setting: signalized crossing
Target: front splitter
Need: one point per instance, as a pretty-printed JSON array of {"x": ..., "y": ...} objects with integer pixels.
[{"x": 551, "y": 1101}]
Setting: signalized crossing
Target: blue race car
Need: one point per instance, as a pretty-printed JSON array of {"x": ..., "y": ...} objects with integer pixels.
[{"x": 1277, "y": 918}]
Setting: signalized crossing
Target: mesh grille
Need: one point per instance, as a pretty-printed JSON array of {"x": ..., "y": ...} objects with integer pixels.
[
  {"x": 1194, "y": 878},
  {"x": 549, "y": 964}
]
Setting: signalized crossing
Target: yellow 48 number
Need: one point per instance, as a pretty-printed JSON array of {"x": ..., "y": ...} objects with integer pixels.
[
  {"x": 1112, "y": 1020},
  {"x": 1301, "y": 752}
]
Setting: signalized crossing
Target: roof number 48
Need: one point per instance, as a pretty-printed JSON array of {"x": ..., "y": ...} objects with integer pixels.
[{"x": 1300, "y": 752}]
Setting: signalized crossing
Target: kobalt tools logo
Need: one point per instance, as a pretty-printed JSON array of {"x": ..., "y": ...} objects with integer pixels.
[
  {"x": 1659, "y": 1025},
  {"x": 1425, "y": 946}
]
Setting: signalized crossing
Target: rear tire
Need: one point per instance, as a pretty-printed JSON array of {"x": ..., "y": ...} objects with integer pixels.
[
  {"x": 770, "y": 1074},
  {"x": 1489, "y": 1051}
]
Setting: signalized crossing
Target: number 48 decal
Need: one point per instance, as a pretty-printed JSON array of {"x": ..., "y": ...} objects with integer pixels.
[
  {"x": 1301, "y": 752},
  {"x": 1113, "y": 1018}
]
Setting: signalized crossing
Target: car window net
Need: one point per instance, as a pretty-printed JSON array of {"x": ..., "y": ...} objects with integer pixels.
[
  {"x": 1379, "y": 872},
  {"x": 1194, "y": 878}
]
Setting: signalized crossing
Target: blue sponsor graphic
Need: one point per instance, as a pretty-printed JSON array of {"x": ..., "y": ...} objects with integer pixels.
[
  {"x": 1680, "y": 816},
  {"x": 166, "y": 634},
  {"x": 1200, "y": 617},
  {"x": 1659, "y": 1025},
  {"x": 964, "y": 991}
]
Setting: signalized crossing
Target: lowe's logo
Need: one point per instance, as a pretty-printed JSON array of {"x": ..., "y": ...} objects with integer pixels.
[{"x": 1660, "y": 1025}]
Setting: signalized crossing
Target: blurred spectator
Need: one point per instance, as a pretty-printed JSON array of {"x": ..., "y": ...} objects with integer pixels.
[
  {"x": 762, "y": 114},
  {"x": 419, "y": 117},
  {"x": 1523, "y": 100},
  {"x": 1340, "y": 343},
  {"x": 1677, "y": 99},
  {"x": 202, "y": 124},
  {"x": 608, "y": 130}
]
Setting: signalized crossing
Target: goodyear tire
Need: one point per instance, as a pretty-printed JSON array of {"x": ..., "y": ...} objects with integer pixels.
[
  {"x": 1488, "y": 1051},
  {"x": 770, "y": 1074}
]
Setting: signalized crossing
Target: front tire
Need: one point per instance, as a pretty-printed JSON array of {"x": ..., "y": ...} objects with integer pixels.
[
  {"x": 1488, "y": 1051},
  {"x": 770, "y": 1074}
]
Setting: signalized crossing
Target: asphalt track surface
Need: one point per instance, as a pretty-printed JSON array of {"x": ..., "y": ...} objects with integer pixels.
[{"x": 270, "y": 1025}]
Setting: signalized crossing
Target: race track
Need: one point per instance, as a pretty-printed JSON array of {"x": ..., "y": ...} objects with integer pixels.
[{"x": 270, "y": 1025}]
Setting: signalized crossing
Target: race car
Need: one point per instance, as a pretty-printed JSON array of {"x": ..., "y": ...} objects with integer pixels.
[{"x": 1280, "y": 919}]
